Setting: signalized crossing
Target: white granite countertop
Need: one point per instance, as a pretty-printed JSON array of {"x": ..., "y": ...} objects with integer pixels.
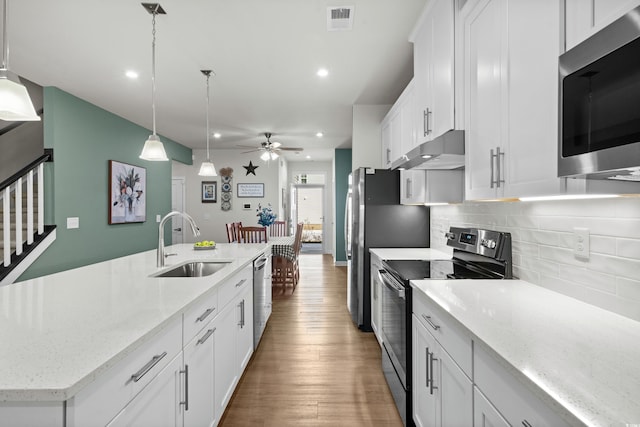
[
  {"x": 581, "y": 360},
  {"x": 59, "y": 332},
  {"x": 409, "y": 253}
]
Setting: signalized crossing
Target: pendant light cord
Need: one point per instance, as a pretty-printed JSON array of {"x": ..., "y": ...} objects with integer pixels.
[
  {"x": 153, "y": 71},
  {"x": 208, "y": 75},
  {"x": 5, "y": 44}
]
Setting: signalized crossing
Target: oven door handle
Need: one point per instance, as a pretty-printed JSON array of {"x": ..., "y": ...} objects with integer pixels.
[{"x": 391, "y": 283}]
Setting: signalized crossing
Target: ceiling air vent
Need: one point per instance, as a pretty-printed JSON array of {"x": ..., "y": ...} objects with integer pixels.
[{"x": 340, "y": 18}]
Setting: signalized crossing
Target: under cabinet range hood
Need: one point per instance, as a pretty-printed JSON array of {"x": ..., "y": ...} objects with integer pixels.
[{"x": 443, "y": 152}]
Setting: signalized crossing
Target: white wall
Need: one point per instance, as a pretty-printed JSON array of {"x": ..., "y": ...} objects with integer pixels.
[
  {"x": 542, "y": 234},
  {"x": 209, "y": 217},
  {"x": 296, "y": 168},
  {"x": 366, "y": 142}
]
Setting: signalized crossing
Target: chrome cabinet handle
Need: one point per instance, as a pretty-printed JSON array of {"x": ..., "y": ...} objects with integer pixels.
[
  {"x": 205, "y": 314},
  {"x": 185, "y": 402},
  {"x": 431, "y": 382},
  {"x": 409, "y": 188},
  {"x": 426, "y": 364},
  {"x": 430, "y": 322},
  {"x": 240, "y": 283},
  {"x": 241, "y": 306},
  {"x": 429, "y": 114},
  {"x": 388, "y": 155},
  {"x": 499, "y": 155},
  {"x": 491, "y": 157},
  {"x": 206, "y": 336},
  {"x": 426, "y": 122},
  {"x": 525, "y": 423},
  {"x": 146, "y": 368},
  {"x": 177, "y": 229}
]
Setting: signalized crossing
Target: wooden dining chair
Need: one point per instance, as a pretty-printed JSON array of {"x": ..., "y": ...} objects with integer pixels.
[
  {"x": 278, "y": 229},
  {"x": 231, "y": 232},
  {"x": 297, "y": 245},
  {"x": 253, "y": 234},
  {"x": 285, "y": 269},
  {"x": 236, "y": 231}
]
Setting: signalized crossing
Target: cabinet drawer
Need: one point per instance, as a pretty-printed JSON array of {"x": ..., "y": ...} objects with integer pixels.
[
  {"x": 200, "y": 314},
  {"x": 234, "y": 285},
  {"x": 101, "y": 400},
  {"x": 450, "y": 335},
  {"x": 512, "y": 399}
]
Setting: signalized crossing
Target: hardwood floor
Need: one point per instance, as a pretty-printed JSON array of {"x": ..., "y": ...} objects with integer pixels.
[{"x": 313, "y": 367}]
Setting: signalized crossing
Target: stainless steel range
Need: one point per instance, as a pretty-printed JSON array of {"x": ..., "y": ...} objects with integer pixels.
[{"x": 477, "y": 254}]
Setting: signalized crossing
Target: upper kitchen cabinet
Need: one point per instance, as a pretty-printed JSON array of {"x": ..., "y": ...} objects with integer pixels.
[
  {"x": 583, "y": 18},
  {"x": 433, "y": 70},
  {"x": 397, "y": 128},
  {"x": 510, "y": 51}
]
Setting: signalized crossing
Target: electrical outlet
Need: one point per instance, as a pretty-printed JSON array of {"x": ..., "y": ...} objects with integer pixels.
[
  {"x": 158, "y": 219},
  {"x": 581, "y": 242}
]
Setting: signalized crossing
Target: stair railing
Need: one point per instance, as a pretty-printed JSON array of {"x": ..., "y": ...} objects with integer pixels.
[{"x": 14, "y": 184}]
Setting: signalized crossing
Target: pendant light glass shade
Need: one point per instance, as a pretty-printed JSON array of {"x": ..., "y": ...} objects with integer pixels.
[
  {"x": 15, "y": 103},
  {"x": 207, "y": 168},
  {"x": 153, "y": 149}
]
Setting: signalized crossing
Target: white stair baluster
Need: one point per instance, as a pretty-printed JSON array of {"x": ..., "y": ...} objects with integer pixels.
[
  {"x": 30, "y": 207},
  {"x": 6, "y": 214},
  {"x": 41, "y": 198},
  {"x": 19, "y": 216}
]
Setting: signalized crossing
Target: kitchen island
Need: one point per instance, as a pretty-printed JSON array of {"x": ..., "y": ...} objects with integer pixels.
[{"x": 62, "y": 332}]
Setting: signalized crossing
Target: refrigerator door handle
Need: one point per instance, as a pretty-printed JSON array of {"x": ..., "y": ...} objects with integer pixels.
[{"x": 347, "y": 230}]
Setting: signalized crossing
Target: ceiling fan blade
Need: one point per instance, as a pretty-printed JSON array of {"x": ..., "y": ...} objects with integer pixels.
[
  {"x": 290, "y": 149},
  {"x": 248, "y": 146},
  {"x": 252, "y": 151},
  {"x": 275, "y": 144}
]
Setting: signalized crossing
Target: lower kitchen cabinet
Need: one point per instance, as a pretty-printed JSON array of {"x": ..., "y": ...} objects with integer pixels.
[
  {"x": 484, "y": 413},
  {"x": 159, "y": 404},
  {"x": 442, "y": 393},
  {"x": 376, "y": 302},
  {"x": 199, "y": 371},
  {"x": 234, "y": 328}
]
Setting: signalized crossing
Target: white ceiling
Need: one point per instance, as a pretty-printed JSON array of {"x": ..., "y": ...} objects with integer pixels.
[{"x": 265, "y": 54}]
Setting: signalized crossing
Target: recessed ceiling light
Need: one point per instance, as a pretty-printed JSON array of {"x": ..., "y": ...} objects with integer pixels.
[
  {"x": 319, "y": 134},
  {"x": 323, "y": 72},
  {"x": 308, "y": 157},
  {"x": 216, "y": 135},
  {"x": 131, "y": 74}
]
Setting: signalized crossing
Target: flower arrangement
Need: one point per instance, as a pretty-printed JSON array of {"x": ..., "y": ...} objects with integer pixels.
[
  {"x": 265, "y": 215},
  {"x": 130, "y": 188}
]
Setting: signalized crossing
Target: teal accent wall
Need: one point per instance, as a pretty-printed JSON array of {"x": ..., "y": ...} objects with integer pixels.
[
  {"x": 84, "y": 138},
  {"x": 343, "y": 169}
]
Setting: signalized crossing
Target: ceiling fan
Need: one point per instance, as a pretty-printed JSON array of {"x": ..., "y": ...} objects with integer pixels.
[{"x": 270, "y": 149}]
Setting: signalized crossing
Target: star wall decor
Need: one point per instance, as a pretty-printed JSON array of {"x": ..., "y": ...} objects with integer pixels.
[{"x": 251, "y": 168}]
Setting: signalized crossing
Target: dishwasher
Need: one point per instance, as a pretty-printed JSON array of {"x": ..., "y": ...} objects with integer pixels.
[{"x": 261, "y": 296}]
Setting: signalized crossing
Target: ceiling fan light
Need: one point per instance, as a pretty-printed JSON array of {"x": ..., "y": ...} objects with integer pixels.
[
  {"x": 15, "y": 104},
  {"x": 265, "y": 156},
  {"x": 153, "y": 150},
  {"x": 274, "y": 155},
  {"x": 207, "y": 169}
]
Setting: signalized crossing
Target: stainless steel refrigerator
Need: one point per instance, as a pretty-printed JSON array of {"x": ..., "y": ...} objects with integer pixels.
[{"x": 376, "y": 219}]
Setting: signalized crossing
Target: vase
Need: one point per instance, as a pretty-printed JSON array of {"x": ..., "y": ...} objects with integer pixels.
[{"x": 129, "y": 214}]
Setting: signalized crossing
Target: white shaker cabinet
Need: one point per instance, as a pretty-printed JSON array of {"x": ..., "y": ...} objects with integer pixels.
[
  {"x": 397, "y": 128},
  {"x": 511, "y": 50},
  {"x": 418, "y": 186},
  {"x": 199, "y": 369},
  {"x": 159, "y": 404},
  {"x": 433, "y": 70},
  {"x": 442, "y": 355},
  {"x": 583, "y": 18},
  {"x": 484, "y": 413},
  {"x": 442, "y": 393},
  {"x": 376, "y": 293}
]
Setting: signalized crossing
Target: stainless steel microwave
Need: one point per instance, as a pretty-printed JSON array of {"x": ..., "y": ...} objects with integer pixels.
[{"x": 600, "y": 104}]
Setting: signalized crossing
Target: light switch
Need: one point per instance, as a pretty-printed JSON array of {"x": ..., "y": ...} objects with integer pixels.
[
  {"x": 73, "y": 222},
  {"x": 158, "y": 219}
]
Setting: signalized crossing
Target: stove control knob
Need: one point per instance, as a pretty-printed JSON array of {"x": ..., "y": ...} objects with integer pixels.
[{"x": 488, "y": 243}]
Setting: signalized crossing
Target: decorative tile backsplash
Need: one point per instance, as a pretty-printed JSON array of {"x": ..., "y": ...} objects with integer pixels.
[{"x": 543, "y": 241}]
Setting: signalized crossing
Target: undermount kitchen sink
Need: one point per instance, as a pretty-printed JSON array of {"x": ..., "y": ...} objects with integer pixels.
[{"x": 194, "y": 269}]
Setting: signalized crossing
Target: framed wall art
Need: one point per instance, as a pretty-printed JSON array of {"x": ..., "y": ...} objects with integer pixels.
[
  {"x": 251, "y": 190},
  {"x": 209, "y": 192},
  {"x": 127, "y": 193}
]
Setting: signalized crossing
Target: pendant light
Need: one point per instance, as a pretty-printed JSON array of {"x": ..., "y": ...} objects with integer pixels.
[
  {"x": 207, "y": 168},
  {"x": 15, "y": 103},
  {"x": 153, "y": 149}
]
